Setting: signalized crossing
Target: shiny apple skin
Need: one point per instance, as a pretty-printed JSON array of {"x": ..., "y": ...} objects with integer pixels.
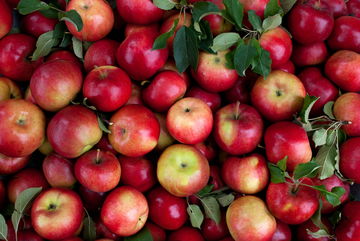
[
  {"x": 8, "y": 89},
  {"x": 213, "y": 231},
  {"x": 353, "y": 7},
  {"x": 58, "y": 171},
  {"x": 348, "y": 229},
  {"x": 287, "y": 67},
  {"x": 92, "y": 200},
  {"x": 64, "y": 55},
  {"x": 186, "y": 233},
  {"x": 166, "y": 210},
  {"x": 135, "y": 130},
  {"x": 36, "y": 24},
  {"x": 6, "y": 18},
  {"x": 349, "y": 159},
  {"x": 157, "y": 233},
  {"x": 309, "y": 54},
  {"x": 282, "y": 232},
  {"x": 100, "y": 53},
  {"x": 213, "y": 100},
  {"x": 257, "y": 5},
  {"x": 10, "y": 165},
  {"x": 302, "y": 231}
]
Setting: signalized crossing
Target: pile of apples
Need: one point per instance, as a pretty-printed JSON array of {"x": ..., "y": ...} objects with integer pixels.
[{"x": 179, "y": 120}]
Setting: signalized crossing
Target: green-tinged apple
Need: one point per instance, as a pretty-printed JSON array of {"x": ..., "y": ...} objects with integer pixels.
[
  {"x": 57, "y": 213},
  {"x": 124, "y": 211},
  {"x": 73, "y": 131},
  {"x": 22, "y": 127},
  {"x": 8, "y": 89},
  {"x": 58, "y": 171},
  {"x": 249, "y": 219},
  {"x": 165, "y": 139},
  {"x": 347, "y": 108},
  {"x": 182, "y": 170},
  {"x": 189, "y": 120},
  {"x": 46, "y": 148}
]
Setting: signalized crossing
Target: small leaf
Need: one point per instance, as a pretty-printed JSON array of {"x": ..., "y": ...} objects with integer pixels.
[
  {"x": 164, "y": 4},
  {"x": 334, "y": 198},
  {"x": 161, "y": 41},
  {"x": 29, "y": 6},
  {"x": 306, "y": 170},
  {"x": 225, "y": 40},
  {"x": 271, "y": 22},
  {"x": 229, "y": 57},
  {"x": 326, "y": 159},
  {"x": 202, "y": 9},
  {"x": 277, "y": 175},
  {"x": 316, "y": 218},
  {"x": 319, "y": 137},
  {"x": 262, "y": 63},
  {"x": 195, "y": 214},
  {"x": 244, "y": 56},
  {"x": 89, "y": 232},
  {"x": 282, "y": 163},
  {"x": 206, "y": 190},
  {"x": 206, "y": 37},
  {"x": 287, "y": 5},
  {"x": 59, "y": 30},
  {"x": 321, "y": 233},
  {"x": 211, "y": 208},
  {"x": 226, "y": 200},
  {"x": 328, "y": 109},
  {"x": 272, "y": 8},
  {"x": 3, "y": 228},
  {"x": 44, "y": 45},
  {"x": 77, "y": 47},
  {"x": 66, "y": 40},
  {"x": 309, "y": 102},
  {"x": 102, "y": 125},
  {"x": 15, "y": 219},
  {"x": 73, "y": 17},
  {"x": 331, "y": 137},
  {"x": 235, "y": 10},
  {"x": 143, "y": 235},
  {"x": 255, "y": 20}
]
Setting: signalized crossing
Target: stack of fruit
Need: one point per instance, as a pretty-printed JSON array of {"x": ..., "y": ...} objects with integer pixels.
[{"x": 179, "y": 120}]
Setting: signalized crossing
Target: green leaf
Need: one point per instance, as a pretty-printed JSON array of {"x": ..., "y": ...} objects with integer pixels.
[
  {"x": 335, "y": 217},
  {"x": 243, "y": 57},
  {"x": 15, "y": 219},
  {"x": 186, "y": 51},
  {"x": 206, "y": 190},
  {"x": 161, "y": 41},
  {"x": 226, "y": 200},
  {"x": 89, "y": 232},
  {"x": 282, "y": 164},
  {"x": 309, "y": 102},
  {"x": 49, "y": 13},
  {"x": 308, "y": 169},
  {"x": 326, "y": 159},
  {"x": 164, "y": 4},
  {"x": 202, "y": 9},
  {"x": 229, "y": 58},
  {"x": 3, "y": 228},
  {"x": 206, "y": 37},
  {"x": 29, "y": 6},
  {"x": 272, "y": 8},
  {"x": 277, "y": 175},
  {"x": 287, "y": 5},
  {"x": 44, "y": 45},
  {"x": 271, "y": 22},
  {"x": 225, "y": 40},
  {"x": 195, "y": 214},
  {"x": 66, "y": 40},
  {"x": 255, "y": 20},
  {"x": 73, "y": 17},
  {"x": 262, "y": 62},
  {"x": 319, "y": 137},
  {"x": 211, "y": 208},
  {"x": 331, "y": 137},
  {"x": 316, "y": 218},
  {"x": 328, "y": 109},
  {"x": 335, "y": 199},
  {"x": 102, "y": 125},
  {"x": 77, "y": 47},
  {"x": 235, "y": 11},
  {"x": 143, "y": 235},
  {"x": 59, "y": 30},
  {"x": 321, "y": 233}
]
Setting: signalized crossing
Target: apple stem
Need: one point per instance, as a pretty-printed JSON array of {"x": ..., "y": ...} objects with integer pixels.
[
  {"x": 97, "y": 156},
  {"x": 237, "y": 111}
]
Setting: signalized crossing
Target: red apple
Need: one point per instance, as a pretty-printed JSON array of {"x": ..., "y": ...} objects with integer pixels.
[
  {"x": 100, "y": 53},
  {"x": 103, "y": 231},
  {"x": 348, "y": 228},
  {"x": 215, "y": 178},
  {"x": 92, "y": 200},
  {"x": 207, "y": 148},
  {"x": 2, "y": 193},
  {"x": 64, "y": 55},
  {"x": 6, "y": 18},
  {"x": 213, "y": 100},
  {"x": 287, "y": 67},
  {"x": 29, "y": 235},
  {"x": 36, "y": 23},
  {"x": 257, "y": 5},
  {"x": 170, "y": 65},
  {"x": 213, "y": 231},
  {"x": 157, "y": 233},
  {"x": 309, "y": 54},
  {"x": 217, "y": 23},
  {"x": 58, "y": 171},
  {"x": 186, "y": 234},
  {"x": 8, "y": 89},
  {"x": 135, "y": 97},
  {"x": 349, "y": 159},
  {"x": 303, "y": 229},
  {"x": 282, "y": 232},
  {"x": 105, "y": 145},
  {"x": 353, "y": 7},
  {"x": 241, "y": 89},
  {"x": 10, "y": 165}
]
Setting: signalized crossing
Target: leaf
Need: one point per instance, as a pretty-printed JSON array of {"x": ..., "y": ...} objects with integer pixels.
[
  {"x": 319, "y": 137},
  {"x": 206, "y": 37},
  {"x": 229, "y": 57},
  {"x": 59, "y": 30},
  {"x": 89, "y": 233},
  {"x": 143, "y": 235},
  {"x": 49, "y": 13},
  {"x": 282, "y": 163},
  {"x": 195, "y": 214},
  {"x": 44, "y": 45},
  {"x": 66, "y": 40},
  {"x": 262, "y": 63},
  {"x": 77, "y": 47},
  {"x": 164, "y": 4},
  {"x": 321, "y": 233},
  {"x": 29, "y": 6},
  {"x": 306, "y": 170},
  {"x": 102, "y": 125},
  {"x": 272, "y": 8},
  {"x": 328, "y": 109},
  {"x": 161, "y": 41},
  {"x": 226, "y": 200},
  {"x": 331, "y": 137},
  {"x": 225, "y": 40},
  {"x": 73, "y": 17},
  {"x": 271, "y": 22},
  {"x": 211, "y": 208},
  {"x": 335, "y": 199},
  {"x": 3, "y": 228},
  {"x": 255, "y": 20},
  {"x": 287, "y": 5},
  {"x": 235, "y": 10},
  {"x": 243, "y": 57},
  {"x": 316, "y": 218},
  {"x": 335, "y": 217},
  {"x": 326, "y": 159},
  {"x": 309, "y": 102},
  {"x": 206, "y": 190},
  {"x": 202, "y": 9},
  {"x": 15, "y": 219},
  {"x": 185, "y": 49},
  {"x": 276, "y": 174}
]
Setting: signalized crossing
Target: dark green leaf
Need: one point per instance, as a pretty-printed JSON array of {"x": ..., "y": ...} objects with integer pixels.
[
  {"x": 77, "y": 47},
  {"x": 309, "y": 102},
  {"x": 271, "y": 22},
  {"x": 164, "y": 4},
  {"x": 195, "y": 214},
  {"x": 277, "y": 175},
  {"x": 262, "y": 63},
  {"x": 29, "y": 6},
  {"x": 143, "y": 235},
  {"x": 326, "y": 159},
  {"x": 60, "y": 29},
  {"x": 244, "y": 56},
  {"x": 335, "y": 217},
  {"x": 321, "y": 233},
  {"x": 308, "y": 169},
  {"x": 334, "y": 198},
  {"x": 226, "y": 200},
  {"x": 3, "y": 228},
  {"x": 328, "y": 109},
  {"x": 185, "y": 49},
  {"x": 255, "y": 20},
  {"x": 202, "y": 9},
  {"x": 319, "y": 137},
  {"x": 50, "y": 13},
  {"x": 341, "y": 136},
  {"x": 73, "y": 17},
  {"x": 229, "y": 57},
  {"x": 272, "y": 8},
  {"x": 206, "y": 190},
  {"x": 235, "y": 11},
  {"x": 225, "y": 40},
  {"x": 66, "y": 40},
  {"x": 102, "y": 126},
  {"x": 286, "y": 5},
  {"x": 211, "y": 208},
  {"x": 206, "y": 37},
  {"x": 44, "y": 45},
  {"x": 161, "y": 41},
  {"x": 89, "y": 233}
]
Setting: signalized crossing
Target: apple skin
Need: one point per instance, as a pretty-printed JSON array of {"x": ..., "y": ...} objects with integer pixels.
[
  {"x": 189, "y": 120},
  {"x": 166, "y": 210},
  {"x": 349, "y": 159},
  {"x": 73, "y": 131},
  {"x": 92, "y": 200},
  {"x": 213, "y": 231},
  {"x": 257, "y": 5},
  {"x": 249, "y": 219},
  {"x": 302, "y": 231},
  {"x": 343, "y": 68},
  {"x": 246, "y": 175},
  {"x": 57, "y": 213},
  {"x": 238, "y": 128},
  {"x": 135, "y": 97},
  {"x": 105, "y": 145},
  {"x": 29, "y": 235},
  {"x": 157, "y": 233},
  {"x": 287, "y": 67},
  {"x": 36, "y": 24},
  {"x": 14, "y": 51},
  {"x": 287, "y": 139},
  {"x": 135, "y": 130},
  {"x": 212, "y": 74},
  {"x": 213, "y": 100},
  {"x": 348, "y": 229},
  {"x": 170, "y": 65},
  {"x": 6, "y": 18},
  {"x": 182, "y": 170},
  {"x": 279, "y": 96},
  {"x": 141, "y": 168},
  {"x": 107, "y": 88},
  {"x": 22, "y": 128},
  {"x": 347, "y": 107},
  {"x": 58, "y": 171},
  {"x": 186, "y": 233},
  {"x": 309, "y": 54},
  {"x": 54, "y": 84},
  {"x": 217, "y": 23},
  {"x": 10, "y": 165},
  {"x": 98, "y": 170},
  {"x": 100, "y": 53},
  {"x": 353, "y": 7},
  {"x": 8, "y": 89},
  {"x": 124, "y": 211},
  {"x": 241, "y": 89},
  {"x": 165, "y": 139},
  {"x": 2, "y": 193},
  {"x": 97, "y": 17},
  {"x": 289, "y": 205},
  {"x": 64, "y": 55},
  {"x": 103, "y": 231},
  {"x": 282, "y": 232},
  {"x": 142, "y": 12}
]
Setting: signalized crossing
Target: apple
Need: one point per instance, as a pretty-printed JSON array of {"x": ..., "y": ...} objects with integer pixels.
[
  {"x": 287, "y": 139},
  {"x": 347, "y": 108},
  {"x": 10, "y": 165},
  {"x": 353, "y": 7},
  {"x": 36, "y": 23},
  {"x": 97, "y": 17},
  {"x": 124, "y": 211},
  {"x": 257, "y": 5},
  {"x": 287, "y": 67},
  {"x": 135, "y": 97},
  {"x": 207, "y": 148},
  {"x": 309, "y": 54},
  {"x": 213, "y": 231},
  {"x": 241, "y": 89},
  {"x": 103, "y": 231},
  {"x": 100, "y": 53},
  {"x": 22, "y": 128},
  {"x": 2, "y": 193},
  {"x": 182, "y": 170},
  {"x": 73, "y": 131},
  {"x": 170, "y": 65},
  {"x": 189, "y": 120},
  {"x": 58, "y": 171},
  {"x": 107, "y": 88},
  {"x": 6, "y": 18},
  {"x": 213, "y": 100},
  {"x": 349, "y": 159},
  {"x": 157, "y": 233},
  {"x": 348, "y": 228},
  {"x": 8, "y": 89},
  {"x": 45, "y": 148},
  {"x": 29, "y": 235},
  {"x": 64, "y": 55},
  {"x": 151, "y": 29},
  {"x": 165, "y": 139},
  {"x": 282, "y": 232},
  {"x": 135, "y": 130},
  {"x": 279, "y": 96},
  {"x": 303, "y": 229},
  {"x": 249, "y": 219},
  {"x": 57, "y": 213},
  {"x": 54, "y": 84},
  {"x": 238, "y": 128},
  {"x": 92, "y": 200},
  {"x": 217, "y": 23},
  {"x": 186, "y": 233},
  {"x": 215, "y": 178}
]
